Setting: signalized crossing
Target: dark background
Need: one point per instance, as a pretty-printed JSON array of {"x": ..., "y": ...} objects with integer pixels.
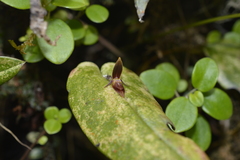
[{"x": 142, "y": 46}]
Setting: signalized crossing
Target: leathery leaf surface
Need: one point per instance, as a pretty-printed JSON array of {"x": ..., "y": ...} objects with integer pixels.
[{"x": 133, "y": 127}]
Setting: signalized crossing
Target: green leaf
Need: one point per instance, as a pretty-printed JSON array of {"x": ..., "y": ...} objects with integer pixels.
[
  {"x": 160, "y": 83},
  {"x": 236, "y": 27},
  {"x": 182, "y": 85},
  {"x": 217, "y": 104},
  {"x": 231, "y": 38},
  {"x": 205, "y": 74},
  {"x": 133, "y": 127},
  {"x": 9, "y": 67},
  {"x": 73, "y": 4},
  {"x": 227, "y": 58},
  {"x": 213, "y": 36},
  {"x": 33, "y": 53},
  {"x": 64, "y": 115},
  {"x": 47, "y": 4},
  {"x": 169, "y": 68},
  {"x": 19, "y": 4},
  {"x": 43, "y": 140},
  {"x": 60, "y": 53},
  {"x": 51, "y": 112},
  {"x": 182, "y": 113},
  {"x": 97, "y": 13},
  {"x": 78, "y": 30},
  {"x": 196, "y": 98},
  {"x": 91, "y": 35},
  {"x": 200, "y": 133},
  {"x": 52, "y": 126}
]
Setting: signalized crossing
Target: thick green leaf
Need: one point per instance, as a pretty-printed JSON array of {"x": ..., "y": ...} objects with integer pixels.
[
  {"x": 60, "y": 53},
  {"x": 19, "y": 4},
  {"x": 236, "y": 27},
  {"x": 51, "y": 112},
  {"x": 73, "y": 4},
  {"x": 97, "y": 13},
  {"x": 9, "y": 67},
  {"x": 133, "y": 127},
  {"x": 52, "y": 126},
  {"x": 196, "y": 98},
  {"x": 213, "y": 36},
  {"x": 64, "y": 115},
  {"x": 182, "y": 113},
  {"x": 231, "y": 38},
  {"x": 217, "y": 104},
  {"x": 33, "y": 53},
  {"x": 169, "y": 68},
  {"x": 91, "y": 35},
  {"x": 78, "y": 30},
  {"x": 226, "y": 55},
  {"x": 200, "y": 133},
  {"x": 160, "y": 83},
  {"x": 205, "y": 74}
]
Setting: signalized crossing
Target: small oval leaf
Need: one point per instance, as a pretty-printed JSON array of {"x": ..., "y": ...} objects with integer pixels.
[
  {"x": 205, "y": 74},
  {"x": 64, "y": 115},
  {"x": 52, "y": 126},
  {"x": 78, "y": 30},
  {"x": 19, "y": 4},
  {"x": 182, "y": 85},
  {"x": 196, "y": 98},
  {"x": 169, "y": 68},
  {"x": 214, "y": 37},
  {"x": 97, "y": 13},
  {"x": 74, "y": 4},
  {"x": 160, "y": 83},
  {"x": 91, "y": 35},
  {"x": 200, "y": 133},
  {"x": 9, "y": 67},
  {"x": 217, "y": 104},
  {"x": 182, "y": 113},
  {"x": 60, "y": 53},
  {"x": 51, "y": 112}
]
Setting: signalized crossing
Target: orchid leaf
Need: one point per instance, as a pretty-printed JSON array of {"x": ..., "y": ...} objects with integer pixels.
[{"x": 133, "y": 127}]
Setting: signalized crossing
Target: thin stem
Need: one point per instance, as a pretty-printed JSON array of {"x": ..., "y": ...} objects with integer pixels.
[
  {"x": 206, "y": 21},
  {"x": 14, "y": 136}
]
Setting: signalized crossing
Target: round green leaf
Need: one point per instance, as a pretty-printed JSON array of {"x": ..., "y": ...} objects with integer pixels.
[
  {"x": 78, "y": 30},
  {"x": 182, "y": 113},
  {"x": 169, "y": 68},
  {"x": 57, "y": 54},
  {"x": 52, "y": 126},
  {"x": 205, "y": 74},
  {"x": 73, "y": 4},
  {"x": 19, "y": 4},
  {"x": 196, "y": 98},
  {"x": 182, "y": 85},
  {"x": 91, "y": 35},
  {"x": 64, "y": 115},
  {"x": 9, "y": 67},
  {"x": 236, "y": 27},
  {"x": 200, "y": 133},
  {"x": 51, "y": 112},
  {"x": 33, "y": 53},
  {"x": 213, "y": 36},
  {"x": 43, "y": 140},
  {"x": 232, "y": 38},
  {"x": 97, "y": 13},
  {"x": 217, "y": 104},
  {"x": 160, "y": 83},
  {"x": 36, "y": 153}
]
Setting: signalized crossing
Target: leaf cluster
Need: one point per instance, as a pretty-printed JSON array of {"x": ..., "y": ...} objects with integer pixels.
[
  {"x": 65, "y": 31},
  {"x": 164, "y": 81}
]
